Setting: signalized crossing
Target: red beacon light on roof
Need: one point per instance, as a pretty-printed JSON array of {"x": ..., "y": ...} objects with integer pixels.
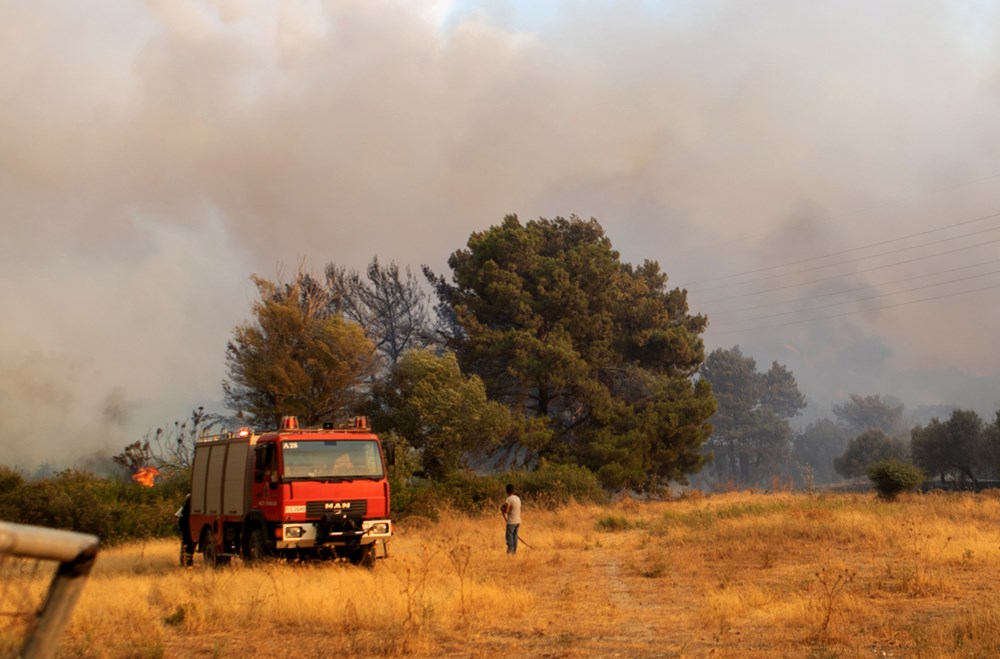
[
  {"x": 289, "y": 423},
  {"x": 243, "y": 432}
]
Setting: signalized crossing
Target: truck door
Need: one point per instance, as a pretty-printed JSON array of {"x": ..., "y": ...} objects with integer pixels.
[{"x": 265, "y": 477}]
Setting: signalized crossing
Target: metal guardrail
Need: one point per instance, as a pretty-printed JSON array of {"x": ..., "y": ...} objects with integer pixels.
[{"x": 75, "y": 553}]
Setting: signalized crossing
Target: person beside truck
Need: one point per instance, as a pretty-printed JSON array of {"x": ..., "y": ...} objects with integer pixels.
[{"x": 511, "y": 509}]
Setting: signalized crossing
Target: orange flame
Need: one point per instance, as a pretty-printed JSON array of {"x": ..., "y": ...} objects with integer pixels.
[{"x": 145, "y": 476}]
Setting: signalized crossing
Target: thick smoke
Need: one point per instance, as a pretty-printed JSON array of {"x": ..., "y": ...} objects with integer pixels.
[{"x": 153, "y": 156}]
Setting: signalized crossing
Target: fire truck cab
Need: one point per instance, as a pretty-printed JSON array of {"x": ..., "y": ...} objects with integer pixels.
[{"x": 294, "y": 492}]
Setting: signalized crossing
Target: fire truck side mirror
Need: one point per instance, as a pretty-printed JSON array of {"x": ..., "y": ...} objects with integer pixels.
[{"x": 390, "y": 454}]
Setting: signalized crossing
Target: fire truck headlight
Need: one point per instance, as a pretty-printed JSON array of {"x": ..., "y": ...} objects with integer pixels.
[
  {"x": 294, "y": 531},
  {"x": 379, "y": 528}
]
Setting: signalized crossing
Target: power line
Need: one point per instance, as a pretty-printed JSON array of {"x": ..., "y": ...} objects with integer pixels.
[
  {"x": 848, "y": 251},
  {"x": 870, "y": 256},
  {"x": 816, "y": 263},
  {"x": 862, "y": 299},
  {"x": 856, "y": 211},
  {"x": 841, "y": 292},
  {"x": 859, "y": 311}
]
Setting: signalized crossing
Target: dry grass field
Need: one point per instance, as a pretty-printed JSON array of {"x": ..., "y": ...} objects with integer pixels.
[{"x": 728, "y": 575}]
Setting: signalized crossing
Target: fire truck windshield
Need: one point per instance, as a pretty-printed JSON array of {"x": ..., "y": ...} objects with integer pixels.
[{"x": 327, "y": 459}]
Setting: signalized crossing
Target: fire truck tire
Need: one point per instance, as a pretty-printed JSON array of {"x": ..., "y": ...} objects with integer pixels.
[
  {"x": 256, "y": 549},
  {"x": 208, "y": 547},
  {"x": 364, "y": 556}
]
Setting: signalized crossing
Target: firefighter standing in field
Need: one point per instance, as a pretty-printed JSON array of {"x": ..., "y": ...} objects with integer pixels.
[
  {"x": 183, "y": 516},
  {"x": 511, "y": 509}
]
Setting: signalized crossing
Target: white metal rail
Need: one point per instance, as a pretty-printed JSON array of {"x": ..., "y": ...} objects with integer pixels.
[{"x": 75, "y": 553}]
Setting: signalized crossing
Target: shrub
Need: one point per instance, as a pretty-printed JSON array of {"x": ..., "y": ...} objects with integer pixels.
[
  {"x": 11, "y": 482},
  {"x": 614, "y": 523},
  {"x": 110, "y": 508},
  {"x": 553, "y": 485},
  {"x": 549, "y": 486},
  {"x": 890, "y": 477},
  {"x": 10, "y": 479},
  {"x": 471, "y": 493},
  {"x": 402, "y": 486},
  {"x": 462, "y": 491}
]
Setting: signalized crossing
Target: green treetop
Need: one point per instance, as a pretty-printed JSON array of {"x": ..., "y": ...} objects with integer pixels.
[
  {"x": 295, "y": 357},
  {"x": 752, "y": 435},
  {"x": 601, "y": 351}
]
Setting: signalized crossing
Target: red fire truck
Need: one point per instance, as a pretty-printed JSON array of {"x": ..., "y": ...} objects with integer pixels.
[{"x": 294, "y": 492}]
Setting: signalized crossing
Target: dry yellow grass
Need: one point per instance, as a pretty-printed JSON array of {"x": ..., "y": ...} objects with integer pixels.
[{"x": 732, "y": 575}]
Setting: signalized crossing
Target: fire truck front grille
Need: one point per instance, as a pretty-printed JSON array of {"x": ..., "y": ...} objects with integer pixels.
[{"x": 355, "y": 509}]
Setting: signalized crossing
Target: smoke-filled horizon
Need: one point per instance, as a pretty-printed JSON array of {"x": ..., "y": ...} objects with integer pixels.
[{"x": 155, "y": 155}]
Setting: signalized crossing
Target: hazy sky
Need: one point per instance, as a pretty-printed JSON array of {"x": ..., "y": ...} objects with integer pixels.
[{"x": 154, "y": 155}]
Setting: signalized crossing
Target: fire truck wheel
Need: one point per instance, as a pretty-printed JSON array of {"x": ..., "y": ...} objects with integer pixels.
[
  {"x": 208, "y": 548},
  {"x": 256, "y": 549},
  {"x": 364, "y": 556}
]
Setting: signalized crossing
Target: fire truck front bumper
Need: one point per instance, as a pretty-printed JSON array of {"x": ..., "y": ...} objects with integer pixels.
[{"x": 305, "y": 534}]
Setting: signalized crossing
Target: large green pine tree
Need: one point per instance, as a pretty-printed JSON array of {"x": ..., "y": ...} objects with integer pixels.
[{"x": 601, "y": 351}]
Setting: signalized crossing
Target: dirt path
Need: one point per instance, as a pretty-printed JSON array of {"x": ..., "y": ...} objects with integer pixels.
[{"x": 606, "y": 606}]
